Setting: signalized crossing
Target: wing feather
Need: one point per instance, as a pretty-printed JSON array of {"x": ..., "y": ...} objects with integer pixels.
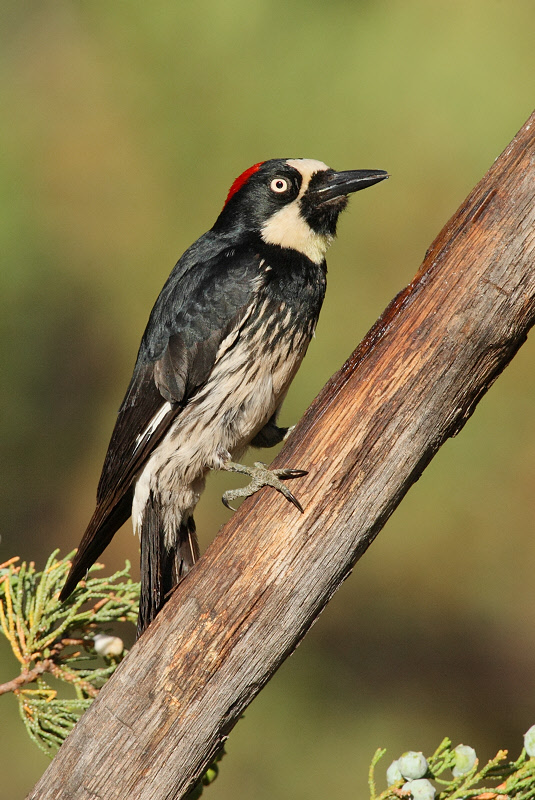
[{"x": 202, "y": 302}]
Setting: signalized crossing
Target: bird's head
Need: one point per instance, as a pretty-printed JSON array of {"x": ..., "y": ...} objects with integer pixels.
[{"x": 293, "y": 203}]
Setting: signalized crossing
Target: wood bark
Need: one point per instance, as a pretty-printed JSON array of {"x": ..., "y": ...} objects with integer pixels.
[{"x": 412, "y": 383}]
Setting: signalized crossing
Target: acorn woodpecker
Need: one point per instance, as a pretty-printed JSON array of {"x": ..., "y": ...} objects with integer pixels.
[{"x": 222, "y": 345}]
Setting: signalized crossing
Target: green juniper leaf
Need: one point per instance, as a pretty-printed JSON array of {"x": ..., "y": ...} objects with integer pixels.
[{"x": 53, "y": 642}]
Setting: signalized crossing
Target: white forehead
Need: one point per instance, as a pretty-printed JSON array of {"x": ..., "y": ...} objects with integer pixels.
[{"x": 307, "y": 167}]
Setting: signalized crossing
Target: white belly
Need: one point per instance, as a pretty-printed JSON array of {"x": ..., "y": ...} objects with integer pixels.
[{"x": 246, "y": 386}]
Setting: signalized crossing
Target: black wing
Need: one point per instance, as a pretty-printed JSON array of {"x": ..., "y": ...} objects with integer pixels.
[{"x": 204, "y": 299}]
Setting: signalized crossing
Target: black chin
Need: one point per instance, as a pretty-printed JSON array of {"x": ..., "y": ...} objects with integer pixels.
[{"x": 323, "y": 217}]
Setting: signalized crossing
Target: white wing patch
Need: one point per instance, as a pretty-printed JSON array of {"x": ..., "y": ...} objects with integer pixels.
[{"x": 153, "y": 424}]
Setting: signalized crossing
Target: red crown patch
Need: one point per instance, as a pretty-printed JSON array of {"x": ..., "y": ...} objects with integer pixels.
[{"x": 241, "y": 179}]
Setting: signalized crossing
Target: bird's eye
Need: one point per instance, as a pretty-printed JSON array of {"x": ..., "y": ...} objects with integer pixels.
[{"x": 279, "y": 185}]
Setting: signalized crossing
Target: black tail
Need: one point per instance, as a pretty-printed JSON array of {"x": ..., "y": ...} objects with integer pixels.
[
  {"x": 106, "y": 520},
  {"x": 162, "y": 566}
]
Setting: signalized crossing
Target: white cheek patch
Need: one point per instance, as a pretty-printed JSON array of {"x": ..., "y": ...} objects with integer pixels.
[{"x": 287, "y": 228}]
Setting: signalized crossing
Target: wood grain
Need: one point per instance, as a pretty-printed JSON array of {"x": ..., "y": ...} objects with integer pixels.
[{"x": 412, "y": 383}]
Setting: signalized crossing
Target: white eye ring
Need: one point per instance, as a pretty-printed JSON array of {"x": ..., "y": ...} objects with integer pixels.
[{"x": 279, "y": 185}]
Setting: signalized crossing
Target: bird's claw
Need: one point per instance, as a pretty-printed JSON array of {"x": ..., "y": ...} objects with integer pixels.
[
  {"x": 288, "y": 433},
  {"x": 261, "y": 476}
]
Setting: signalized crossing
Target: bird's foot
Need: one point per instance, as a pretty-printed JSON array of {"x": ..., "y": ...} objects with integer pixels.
[{"x": 261, "y": 476}]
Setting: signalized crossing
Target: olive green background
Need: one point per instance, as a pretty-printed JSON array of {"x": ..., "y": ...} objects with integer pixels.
[{"x": 123, "y": 125}]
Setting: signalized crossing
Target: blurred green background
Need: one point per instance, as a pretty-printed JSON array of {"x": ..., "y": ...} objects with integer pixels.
[{"x": 123, "y": 125}]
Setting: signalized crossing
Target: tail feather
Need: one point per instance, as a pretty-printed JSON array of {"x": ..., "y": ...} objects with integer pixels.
[
  {"x": 100, "y": 531},
  {"x": 162, "y": 565}
]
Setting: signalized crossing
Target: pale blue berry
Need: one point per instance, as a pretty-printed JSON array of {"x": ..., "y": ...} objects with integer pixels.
[
  {"x": 529, "y": 741},
  {"x": 420, "y": 789},
  {"x": 412, "y": 765},
  {"x": 465, "y": 759},
  {"x": 393, "y": 774}
]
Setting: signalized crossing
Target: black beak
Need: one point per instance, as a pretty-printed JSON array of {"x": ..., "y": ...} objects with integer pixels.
[{"x": 336, "y": 184}]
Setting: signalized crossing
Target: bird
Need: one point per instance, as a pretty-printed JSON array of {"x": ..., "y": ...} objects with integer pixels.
[{"x": 223, "y": 342}]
